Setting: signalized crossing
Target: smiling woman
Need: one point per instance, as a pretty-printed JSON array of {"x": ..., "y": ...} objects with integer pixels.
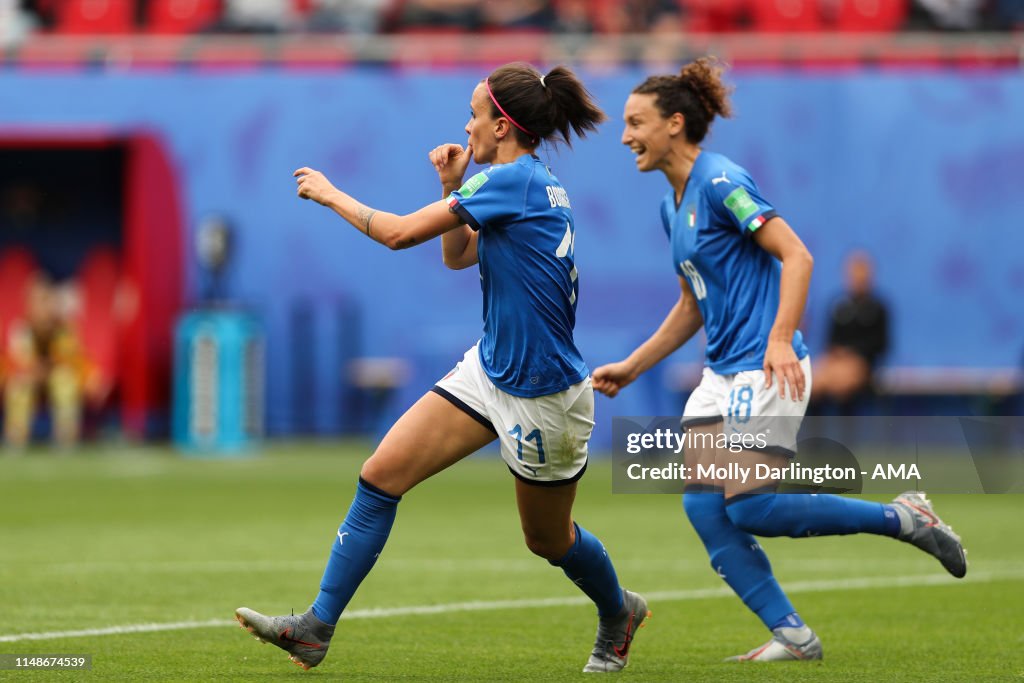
[
  {"x": 743, "y": 276},
  {"x": 524, "y": 382},
  {"x": 697, "y": 95}
]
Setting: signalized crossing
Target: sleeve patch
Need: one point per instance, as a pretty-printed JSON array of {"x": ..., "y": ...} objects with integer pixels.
[
  {"x": 470, "y": 187},
  {"x": 741, "y": 205}
]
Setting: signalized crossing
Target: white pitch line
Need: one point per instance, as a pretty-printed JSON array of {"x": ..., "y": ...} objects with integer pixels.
[
  {"x": 494, "y": 605},
  {"x": 115, "y": 630},
  {"x": 818, "y": 565}
]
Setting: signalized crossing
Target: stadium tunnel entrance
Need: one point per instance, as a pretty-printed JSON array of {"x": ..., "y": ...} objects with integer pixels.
[{"x": 101, "y": 208}]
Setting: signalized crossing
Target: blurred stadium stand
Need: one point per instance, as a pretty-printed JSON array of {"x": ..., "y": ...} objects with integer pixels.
[
  {"x": 495, "y": 16},
  {"x": 441, "y": 47},
  {"x": 329, "y": 32}
]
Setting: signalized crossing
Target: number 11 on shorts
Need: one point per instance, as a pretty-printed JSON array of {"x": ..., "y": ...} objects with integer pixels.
[{"x": 517, "y": 432}]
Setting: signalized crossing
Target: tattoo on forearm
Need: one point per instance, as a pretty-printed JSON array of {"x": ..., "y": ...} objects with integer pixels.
[{"x": 365, "y": 215}]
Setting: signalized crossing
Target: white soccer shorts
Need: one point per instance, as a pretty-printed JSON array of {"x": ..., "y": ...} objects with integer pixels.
[
  {"x": 745, "y": 406},
  {"x": 543, "y": 439}
]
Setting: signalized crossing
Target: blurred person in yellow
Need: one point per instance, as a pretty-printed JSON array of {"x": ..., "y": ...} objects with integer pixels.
[{"x": 43, "y": 357}]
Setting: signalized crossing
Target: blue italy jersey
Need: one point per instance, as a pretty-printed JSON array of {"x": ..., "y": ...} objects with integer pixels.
[
  {"x": 528, "y": 275},
  {"x": 735, "y": 282}
]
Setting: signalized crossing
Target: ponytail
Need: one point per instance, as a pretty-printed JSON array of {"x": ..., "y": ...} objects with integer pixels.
[
  {"x": 698, "y": 93},
  {"x": 543, "y": 106}
]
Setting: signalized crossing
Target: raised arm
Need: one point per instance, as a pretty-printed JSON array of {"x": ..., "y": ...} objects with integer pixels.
[
  {"x": 681, "y": 323},
  {"x": 458, "y": 247},
  {"x": 391, "y": 230}
]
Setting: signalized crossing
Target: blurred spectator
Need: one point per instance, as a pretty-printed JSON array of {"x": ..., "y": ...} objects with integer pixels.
[
  {"x": 257, "y": 16},
  {"x": 350, "y": 16},
  {"x": 16, "y": 22},
  {"x": 644, "y": 16},
  {"x": 1009, "y": 15},
  {"x": 660, "y": 20},
  {"x": 584, "y": 18},
  {"x": 42, "y": 13},
  {"x": 858, "y": 337},
  {"x": 438, "y": 14},
  {"x": 573, "y": 16},
  {"x": 537, "y": 15},
  {"x": 666, "y": 20},
  {"x": 947, "y": 15},
  {"x": 43, "y": 357}
]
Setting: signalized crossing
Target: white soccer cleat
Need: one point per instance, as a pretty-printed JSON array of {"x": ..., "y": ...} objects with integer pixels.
[
  {"x": 787, "y": 645},
  {"x": 920, "y": 526},
  {"x": 304, "y": 637}
]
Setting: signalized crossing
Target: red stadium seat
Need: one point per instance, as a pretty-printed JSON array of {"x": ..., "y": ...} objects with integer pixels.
[
  {"x": 871, "y": 16},
  {"x": 95, "y": 16},
  {"x": 716, "y": 16},
  {"x": 97, "y": 322},
  {"x": 181, "y": 16},
  {"x": 786, "y": 16}
]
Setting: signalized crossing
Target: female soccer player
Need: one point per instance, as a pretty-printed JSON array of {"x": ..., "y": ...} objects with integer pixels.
[
  {"x": 743, "y": 276},
  {"x": 523, "y": 383}
]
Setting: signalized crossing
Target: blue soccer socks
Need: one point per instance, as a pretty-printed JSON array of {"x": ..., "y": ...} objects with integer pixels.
[
  {"x": 789, "y": 621},
  {"x": 736, "y": 555},
  {"x": 360, "y": 540},
  {"x": 588, "y": 566},
  {"x": 725, "y": 528},
  {"x": 807, "y": 514}
]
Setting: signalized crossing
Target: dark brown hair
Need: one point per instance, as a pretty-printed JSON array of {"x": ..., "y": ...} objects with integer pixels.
[
  {"x": 697, "y": 93},
  {"x": 545, "y": 108}
]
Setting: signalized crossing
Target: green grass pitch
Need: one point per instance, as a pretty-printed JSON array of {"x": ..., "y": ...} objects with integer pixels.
[{"x": 115, "y": 538}]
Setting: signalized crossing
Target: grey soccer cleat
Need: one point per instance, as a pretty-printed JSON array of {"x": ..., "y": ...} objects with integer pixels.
[
  {"x": 304, "y": 637},
  {"x": 615, "y": 635},
  {"x": 788, "y": 644},
  {"x": 920, "y": 526}
]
